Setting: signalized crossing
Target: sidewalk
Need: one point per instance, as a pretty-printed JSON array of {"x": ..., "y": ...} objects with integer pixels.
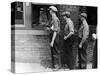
[
  {"x": 30, "y": 67},
  {"x": 35, "y": 67}
]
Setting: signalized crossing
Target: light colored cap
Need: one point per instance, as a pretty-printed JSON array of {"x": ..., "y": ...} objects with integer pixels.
[
  {"x": 53, "y": 8},
  {"x": 84, "y": 15},
  {"x": 66, "y": 13}
]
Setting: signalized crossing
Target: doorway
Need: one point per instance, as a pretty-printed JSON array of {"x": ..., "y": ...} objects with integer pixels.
[{"x": 92, "y": 15}]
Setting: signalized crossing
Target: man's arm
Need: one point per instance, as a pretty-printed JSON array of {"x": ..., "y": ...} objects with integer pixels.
[
  {"x": 53, "y": 38},
  {"x": 85, "y": 34},
  {"x": 55, "y": 32}
]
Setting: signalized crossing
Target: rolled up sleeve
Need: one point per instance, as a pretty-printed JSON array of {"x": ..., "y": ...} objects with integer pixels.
[{"x": 56, "y": 25}]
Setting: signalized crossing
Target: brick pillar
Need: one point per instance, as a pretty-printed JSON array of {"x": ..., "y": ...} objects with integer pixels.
[{"x": 27, "y": 15}]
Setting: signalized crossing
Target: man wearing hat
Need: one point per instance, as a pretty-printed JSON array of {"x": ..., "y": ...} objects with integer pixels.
[
  {"x": 54, "y": 34},
  {"x": 83, "y": 34},
  {"x": 68, "y": 41}
]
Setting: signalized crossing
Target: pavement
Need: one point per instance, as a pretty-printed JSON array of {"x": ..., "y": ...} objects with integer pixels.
[
  {"x": 36, "y": 67},
  {"x": 30, "y": 67}
]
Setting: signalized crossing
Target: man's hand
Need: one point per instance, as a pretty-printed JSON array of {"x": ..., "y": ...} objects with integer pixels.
[
  {"x": 80, "y": 45},
  {"x": 94, "y": 36},
  {"x": 51, "y": 44},
  {"x": 47, "y": 28},
  {"x": 65, "y": 37}
]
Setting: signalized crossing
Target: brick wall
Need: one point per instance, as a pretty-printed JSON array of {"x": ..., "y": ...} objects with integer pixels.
[
  {"x": 91, "y": 43},
  {"x": 31, "y": 46},
  {"x": 74, "y": 10}
]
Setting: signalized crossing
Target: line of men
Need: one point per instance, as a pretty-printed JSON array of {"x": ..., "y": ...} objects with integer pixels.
[{"x": 61, "y": 42}]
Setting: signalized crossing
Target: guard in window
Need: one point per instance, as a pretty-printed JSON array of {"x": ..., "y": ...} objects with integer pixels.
[{"x": 83, "y": 34}]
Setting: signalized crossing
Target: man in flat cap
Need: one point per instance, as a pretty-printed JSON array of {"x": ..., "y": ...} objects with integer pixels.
[
  {"x": 68, "y": 40},
  {"x": 54, "y": 37},
  {"x": 83, "y": 34}
]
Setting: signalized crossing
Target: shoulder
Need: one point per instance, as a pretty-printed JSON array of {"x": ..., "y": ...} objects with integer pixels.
[
  {"x": 85, "y": 24},
  {"x": 70, "y": 23},
  {"x": 56, "y": 20}
]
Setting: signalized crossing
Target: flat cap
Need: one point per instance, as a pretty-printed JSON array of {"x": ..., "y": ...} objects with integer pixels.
[
  {"x": 84, "y": 15},
  {"x": 66, "y": 13},
  {"x": 53, "y": 8}
]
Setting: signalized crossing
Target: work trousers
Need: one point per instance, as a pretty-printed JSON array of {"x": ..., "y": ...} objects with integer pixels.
[
  {"x": 82, "y": 54},
  {"x": 68, "y": 53},
  {"x": 57, "y": 49}
]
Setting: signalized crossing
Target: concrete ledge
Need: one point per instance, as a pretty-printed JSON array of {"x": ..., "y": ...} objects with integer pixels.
[{"x": 33, "y": 32}]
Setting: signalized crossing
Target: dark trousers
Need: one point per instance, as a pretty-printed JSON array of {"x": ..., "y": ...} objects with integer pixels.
[
  {"x": 68, "y": 57},
  {"x": 95, "y": 56},
  {"x": 82, "y": 54},
  {"x": 57, "y": 49}
]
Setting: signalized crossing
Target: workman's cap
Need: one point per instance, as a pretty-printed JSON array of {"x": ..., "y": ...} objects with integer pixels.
[
  {"x": 53, "y": 8},
  {"x": 66, "y": 13},
  {"x": 83, "y": 15}
]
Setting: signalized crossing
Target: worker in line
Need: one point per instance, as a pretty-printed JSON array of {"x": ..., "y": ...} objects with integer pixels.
[
  {"x": 83, "y": 34},
  {"x": 55, "y": 40},
  {"x": 68, "y": 41}
]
